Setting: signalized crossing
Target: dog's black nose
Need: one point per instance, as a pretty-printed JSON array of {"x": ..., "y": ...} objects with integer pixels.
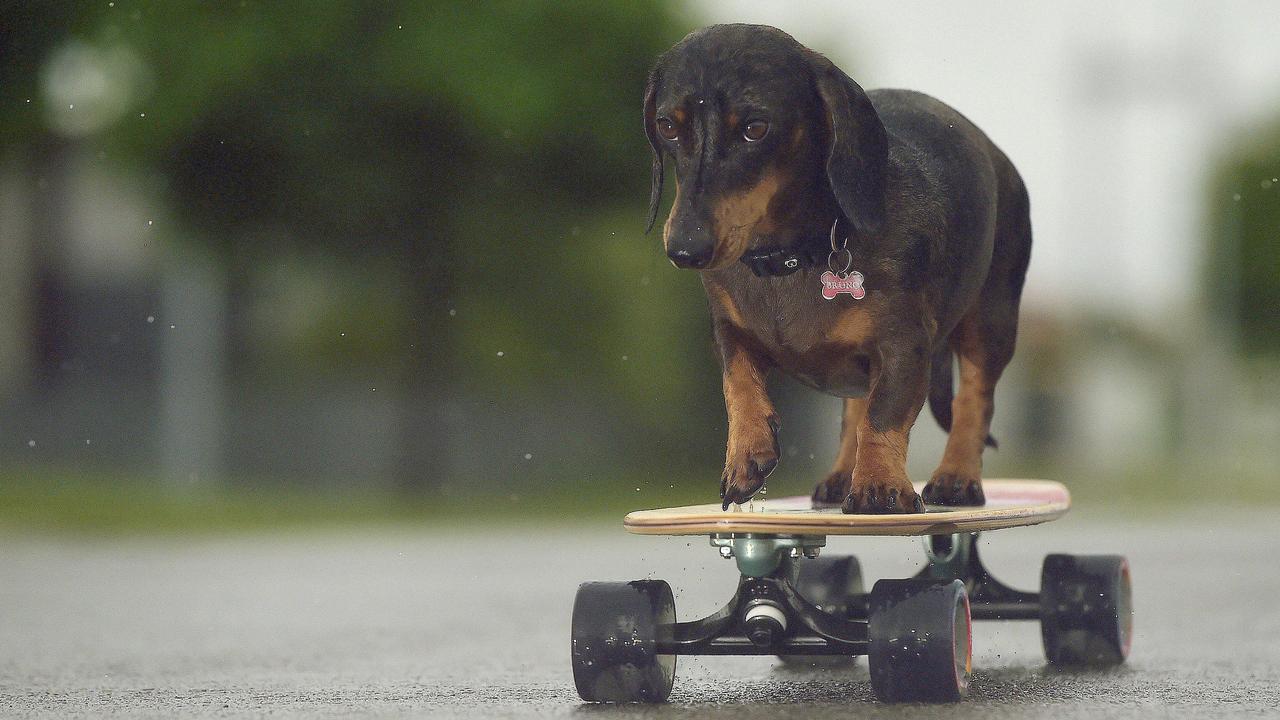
[{"x": 685, "y": 257}]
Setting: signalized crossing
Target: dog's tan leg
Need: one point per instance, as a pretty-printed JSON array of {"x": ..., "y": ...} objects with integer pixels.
[
  {"x": 835, "y": 487},
  {"x": 880, "y": 483},
  {"x": 898, "y": 388},
  {"x": 958, "y": 479},
  {"x": 752, "y": 450}
]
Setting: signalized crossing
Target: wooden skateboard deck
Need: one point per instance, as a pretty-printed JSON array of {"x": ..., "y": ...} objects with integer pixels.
[{"x": 1010, "y": 503}]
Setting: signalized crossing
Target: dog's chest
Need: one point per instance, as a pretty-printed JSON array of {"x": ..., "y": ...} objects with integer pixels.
[{"x": 822, "y": 343}]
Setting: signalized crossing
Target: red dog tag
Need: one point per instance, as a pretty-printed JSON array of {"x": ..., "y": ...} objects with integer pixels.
[{"x": 847, "y": 283}]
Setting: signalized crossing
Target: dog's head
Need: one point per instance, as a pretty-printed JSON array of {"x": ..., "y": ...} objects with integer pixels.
[{"x": 763, "y": 133}]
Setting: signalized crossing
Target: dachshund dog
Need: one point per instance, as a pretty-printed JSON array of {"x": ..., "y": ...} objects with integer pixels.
[{"x": 854, "y": 240}]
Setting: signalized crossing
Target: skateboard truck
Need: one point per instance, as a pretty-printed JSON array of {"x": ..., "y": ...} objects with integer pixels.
[{"x": 764, "y": 621}]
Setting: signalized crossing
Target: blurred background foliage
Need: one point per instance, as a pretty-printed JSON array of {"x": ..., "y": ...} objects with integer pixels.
[
  {"x": 420, "y": 194},
  {"x": 266, "y": 262},
  {"x": 1244, "y": 252}
]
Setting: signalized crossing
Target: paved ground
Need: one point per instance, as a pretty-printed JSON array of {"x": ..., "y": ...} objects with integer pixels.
[{"x": 398, "y": 623}]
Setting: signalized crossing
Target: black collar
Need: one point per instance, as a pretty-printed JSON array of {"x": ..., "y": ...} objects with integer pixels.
[{"x": 777, "y": 261}]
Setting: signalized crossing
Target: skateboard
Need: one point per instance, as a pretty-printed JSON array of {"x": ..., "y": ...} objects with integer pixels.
[{"x": 794, "y": 602}]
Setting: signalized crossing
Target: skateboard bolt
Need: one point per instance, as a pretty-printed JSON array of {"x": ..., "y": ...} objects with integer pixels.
[
  {"x": 795, "y": 553},
  {"x": 726, "y": 552},
  {"x": 764, "y": 624},
  {"x": 761, "y": 632}
]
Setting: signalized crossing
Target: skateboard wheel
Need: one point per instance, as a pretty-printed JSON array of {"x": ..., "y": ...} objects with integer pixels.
[
  {"x": 1086, "y": 609},
  {"x": 921, "y": 644},
  {"x": 834, "y": 584},
  {"x": 614, "y": 649}
]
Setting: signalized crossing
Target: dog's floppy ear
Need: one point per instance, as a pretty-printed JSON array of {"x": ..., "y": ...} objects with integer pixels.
[
  {"x": 651, "y": 130},
  {"x": 859, "y": 149}
]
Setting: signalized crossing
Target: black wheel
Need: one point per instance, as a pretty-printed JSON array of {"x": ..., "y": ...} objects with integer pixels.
[
  {"x": 1086, "y": 609},
  {"x": 614, "y": 641},
  {"x": 834, "y": 584},
  {"x": 921, "y": 645}
]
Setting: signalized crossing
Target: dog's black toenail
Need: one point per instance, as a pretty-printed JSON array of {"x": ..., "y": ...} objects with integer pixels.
[{"x": 976, "y": 495}]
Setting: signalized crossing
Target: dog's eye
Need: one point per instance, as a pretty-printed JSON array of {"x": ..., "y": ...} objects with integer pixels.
[
  {"x": 755, "y": 130},
  {"x": 667, "y": 129}
]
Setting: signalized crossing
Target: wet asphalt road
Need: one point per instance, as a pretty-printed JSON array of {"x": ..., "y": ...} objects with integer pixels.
[{"x": 416, "y": 623}]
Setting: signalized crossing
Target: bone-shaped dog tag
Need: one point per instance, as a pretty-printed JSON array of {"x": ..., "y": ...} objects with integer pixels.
[{"x": 847, "y": 283}]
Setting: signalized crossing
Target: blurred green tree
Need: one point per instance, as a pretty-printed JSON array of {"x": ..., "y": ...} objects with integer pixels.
[
  {"x": 1244, "y": 243},
  {"x": 481, "y": 162}
]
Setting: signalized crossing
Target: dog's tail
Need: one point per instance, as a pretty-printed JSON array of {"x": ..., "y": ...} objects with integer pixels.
[{"x": 942, "y": 389}]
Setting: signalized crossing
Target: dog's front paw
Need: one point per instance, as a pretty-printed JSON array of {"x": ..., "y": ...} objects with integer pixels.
[
  {"x": 749, "y": 462},
  {"x": 954, "y": 489},
  {"x": 833, "y": 490},
  {"x": 882, "y": 495}
]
